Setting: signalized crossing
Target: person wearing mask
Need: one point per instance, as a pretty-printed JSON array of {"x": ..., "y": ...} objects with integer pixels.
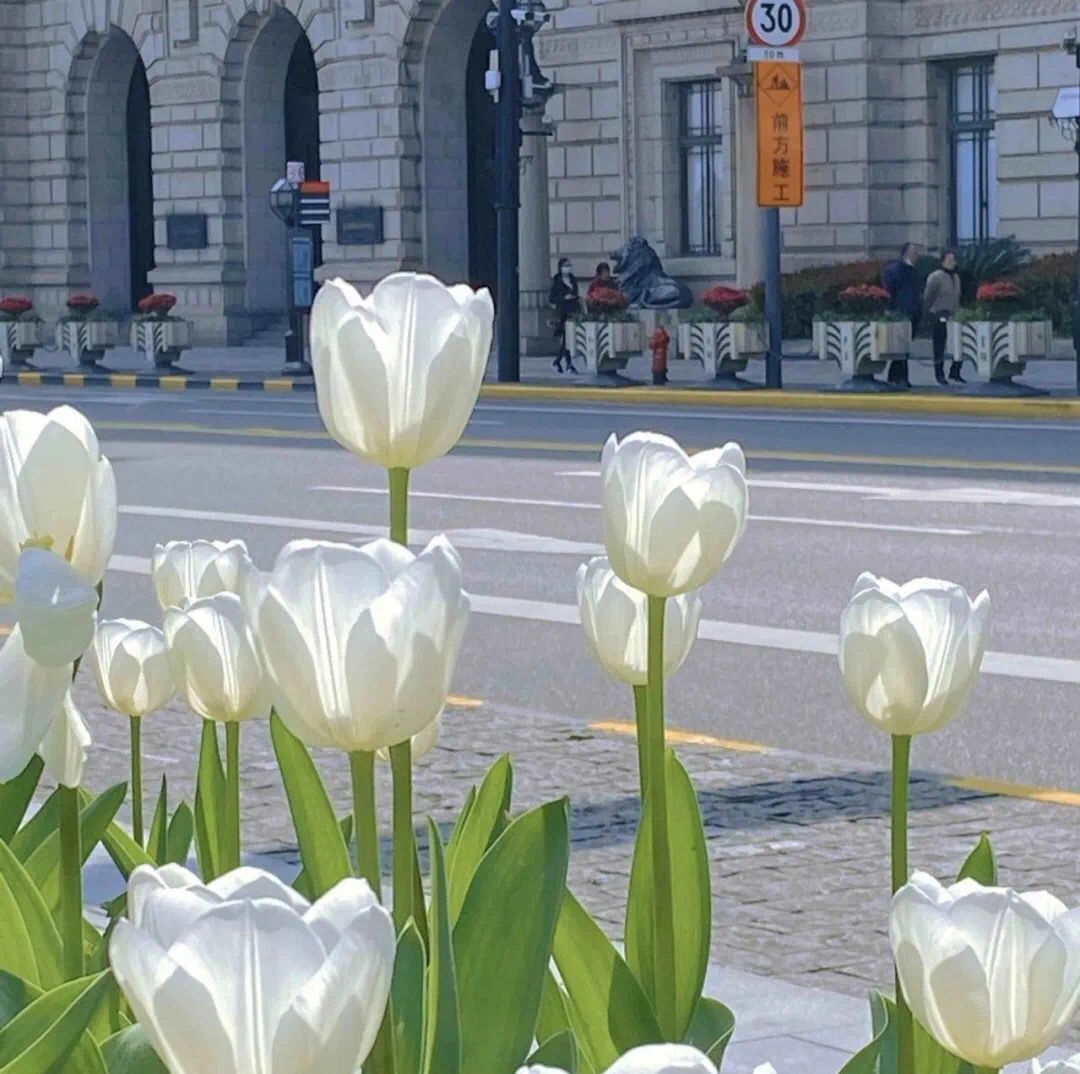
[
  {"x": 941, "y": 299},
  {"x": 898, "y": 278},
  {"x": 601, "y": 281},
  {"x": 565, "y": 297}
]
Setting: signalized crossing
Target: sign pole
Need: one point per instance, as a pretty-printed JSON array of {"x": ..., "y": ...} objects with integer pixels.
[
  {"x": 508, "y": 145},
  {"x": 774, "y": 360}
]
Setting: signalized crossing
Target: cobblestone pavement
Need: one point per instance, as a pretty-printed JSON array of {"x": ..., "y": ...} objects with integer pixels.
[{"x": 798, "y": 844}]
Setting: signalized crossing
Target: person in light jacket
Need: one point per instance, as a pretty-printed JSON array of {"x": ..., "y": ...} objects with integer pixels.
[{"x": 941, "y": 299}]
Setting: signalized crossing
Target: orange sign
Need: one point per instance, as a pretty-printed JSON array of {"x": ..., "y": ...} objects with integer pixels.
[{"x": 778, "y": 91}]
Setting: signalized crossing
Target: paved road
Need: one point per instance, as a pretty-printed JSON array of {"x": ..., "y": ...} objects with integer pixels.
[{"x": 986, "y": 503}]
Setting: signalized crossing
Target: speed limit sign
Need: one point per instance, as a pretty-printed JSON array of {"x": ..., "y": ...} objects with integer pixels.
[{"x": 776, "y": 23}]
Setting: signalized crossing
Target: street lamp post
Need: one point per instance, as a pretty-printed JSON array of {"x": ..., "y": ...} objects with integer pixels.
[{"x": 1066, "y": 116}]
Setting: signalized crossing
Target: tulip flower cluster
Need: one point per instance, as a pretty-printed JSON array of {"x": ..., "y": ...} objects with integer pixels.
[{"x": 493, "y": 965}]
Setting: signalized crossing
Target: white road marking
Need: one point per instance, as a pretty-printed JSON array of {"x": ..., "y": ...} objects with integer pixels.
[{"x": 1005, "y": 665}]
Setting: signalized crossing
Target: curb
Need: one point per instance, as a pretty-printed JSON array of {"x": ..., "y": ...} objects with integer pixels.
[{"x": 1048, "y": 408}]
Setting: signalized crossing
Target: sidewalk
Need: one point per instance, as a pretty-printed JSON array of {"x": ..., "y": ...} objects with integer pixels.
[{"x": 798, "y": 847}]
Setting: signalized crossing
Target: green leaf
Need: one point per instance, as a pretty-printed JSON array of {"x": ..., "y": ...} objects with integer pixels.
[
  {"x": 503, "y": 938},
  {"x": 691, "y": 900},
  {"x": 33, "y": 833},
  {"x": 181, "y": 833},
  {"x": 15, "y": 798},
  {"x": 210, "y": 805},
  {"x": 124, "y": 851},
  {"x": 129, "y": 1052},
  {"x": 419, "y": 904},
  {"x": 442, "y": 1025},
  {"x": 42, "y": 1036},
  {"x": 407, "y": 1000},
  {"x": 301, "y": 883},
  {"x": 554, "y": 1018},
  {"x": 477, "y": 830},
  {"x": 607, "y": 1007},
  {"x": 32, "y": 922},
  {"x": 15, "y": 994},
  {"x": 43, "y": 866},
  {"x": 981, "y": 865},
  {"x": 322, "y": 849},
  {"x": 711, "y": 1029},
  {"x": 879, "y": 1056},
  {"x": 559, "y": 1052},
  {"x": 157, "y": 844}
]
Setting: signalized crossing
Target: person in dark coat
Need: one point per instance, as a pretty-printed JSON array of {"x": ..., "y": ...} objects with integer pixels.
[
  {"x": 565, "y": 297},
  {"x": 899, "y": 279}
]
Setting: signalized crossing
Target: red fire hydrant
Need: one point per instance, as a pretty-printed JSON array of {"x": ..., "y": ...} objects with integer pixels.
[{"x": 659, "y": 343}]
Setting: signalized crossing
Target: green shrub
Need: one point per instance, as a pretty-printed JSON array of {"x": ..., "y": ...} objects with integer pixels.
[
  {"x": 811, "y": 290},
  {"x": 1049, "y": 283},
  {"x": 993, "y": 259}
]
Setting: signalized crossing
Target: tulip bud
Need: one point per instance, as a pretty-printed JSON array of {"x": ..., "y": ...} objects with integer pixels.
[
  {"x": 131, "y": 664},
  {"x": 59, "y": 493},
  {"x": 65, "y": 746},
  {"x": 422, "y": 743},
  {"x": 993, "y": 975},
  {"x": 214, "y": 661},
  {"x": 671, "y": 520},
  {"x": 652, "y": 1059},
  {"x": 244, "y": 975},
  {"x": 910, "y": 654},
  {"x": 361, "y": 643},
  {"x": 616, "y": 621},
  {"x": 398, "y": 374},
  {"x": 184, "y": 571},
  {"x": 54, "y": 606}
]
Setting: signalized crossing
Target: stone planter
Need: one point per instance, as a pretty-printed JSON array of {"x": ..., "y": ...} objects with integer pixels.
[
  {"x": 724, "y": 347},
  {"x": 603, "y": 346},
  {"x": 1000, "y": 350},
  {"x": 161, "y": 342},
  {"x": 862, "y": 348},
  {"x": 87, "y": 341},
  {"x": 18, "y": 341}
]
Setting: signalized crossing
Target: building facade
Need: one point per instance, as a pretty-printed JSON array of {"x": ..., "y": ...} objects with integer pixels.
[{"x": 139, "y": 140}]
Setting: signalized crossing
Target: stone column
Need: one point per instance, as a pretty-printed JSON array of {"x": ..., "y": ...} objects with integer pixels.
[{"x": 534, "y": 233}]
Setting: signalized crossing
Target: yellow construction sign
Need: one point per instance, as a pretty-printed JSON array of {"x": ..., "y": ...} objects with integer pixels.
[{"x": 778, "y": 92}]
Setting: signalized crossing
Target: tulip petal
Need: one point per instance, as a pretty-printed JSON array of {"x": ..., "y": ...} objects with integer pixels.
[
  {"x": 247, "y": 882},
  {"x": 663, "y": 1059},
  {"x": 55, "y": 608},
  {"x": 337, "y": 910},
  {"x": 65, "y": 745},
  {"x": 95, "y": 534}
]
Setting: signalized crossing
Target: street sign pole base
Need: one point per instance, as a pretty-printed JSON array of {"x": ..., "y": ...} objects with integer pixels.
[
  {"x": 866, "y": 385},
  {"x": 297, "y": 369},
  {"x": 728, "y": 382},
  {"x": 609, "y": 380},
  {"x": 1003, "y": 388}
]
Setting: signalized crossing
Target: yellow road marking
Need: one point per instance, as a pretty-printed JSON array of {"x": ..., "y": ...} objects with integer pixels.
[
  {"x": 682, "y": 738},
  {"x": 225, "y": 384},
  {"x": 123, "y": 380},
  {"x": 74, "y": 380},
  {"x": 278, "y": 385},
  {"x": 29, "y": 378},
  {"x": 454, "y": 701},
  {"x": 173, "y": 384},
  {"x": 1016, "y": 790}
]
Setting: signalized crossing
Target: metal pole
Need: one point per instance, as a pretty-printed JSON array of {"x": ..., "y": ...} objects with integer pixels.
[
  {"x": 774, "y": 375},
  {"x": 508, "y": 147},
  {"x": 1076, "y": 296}
]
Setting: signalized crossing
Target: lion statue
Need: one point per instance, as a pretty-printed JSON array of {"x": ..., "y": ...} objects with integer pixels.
[{"x": 643, "y": 280}]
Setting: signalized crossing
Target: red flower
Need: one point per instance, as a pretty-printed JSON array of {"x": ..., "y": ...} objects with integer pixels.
[
  {"x": 725, "y": 300},
  {"x": 864, "y": 292},
  {"x": 998, "y": 291},
  {"x": 16, "y": 305},
  {"x": 606, "y": 300},
  {"x": 83, "y": 302},
  {"x": 161, "y": 303}
]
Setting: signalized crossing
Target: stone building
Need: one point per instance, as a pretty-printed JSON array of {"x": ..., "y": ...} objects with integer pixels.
[{"x": 129, "y": 126}]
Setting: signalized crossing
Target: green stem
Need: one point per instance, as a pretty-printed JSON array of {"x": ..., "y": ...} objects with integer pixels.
[
  {"x": 399, "y": 506},
  {"x": 71, "y": 886},
  {"x": 404, "y": 833},
  {"x": 362, "y": 767},
  {"x": 232, "y": 793},
  {"x": 901, "y": 775},
  {"x": 641, "y": 717},
  {"x": 663, "y": 910},
  {"x": 136, "y": 779}
]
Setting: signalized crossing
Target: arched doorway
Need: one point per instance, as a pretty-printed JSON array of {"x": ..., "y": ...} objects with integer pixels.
[
  {"x": 458, "y": 146},
  {"x": 280, "y": 123},
  {"x": 120, "y": 185}
]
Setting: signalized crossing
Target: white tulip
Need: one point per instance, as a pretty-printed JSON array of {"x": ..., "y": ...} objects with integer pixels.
[
  {"x": 131, "y": 664},
  {"x": 243, "y": 975},
  {"x": 650, "y": 1059},
  {"x": 1058, "y": 1066},
  {"x": 56, "y": 491},
  {"x": 992, "y": 974},
  {"x": 55, "y": 607},
  {"x": 65, "y": 746},
  {"x": 616, "y": 621},
  {"x": 33, "y": 699},
  {"x": 765, "y": 1068},
  {"x": 671, "y": 520},
  {"x": 214, "y": 660},
  {"x": 910, "y": 654},
  {"x": 361, "y": 643},
  {"x": 398, "y": 373},
  {"x": 422, "y": 743},
  {"x": 184, "y": 571}
]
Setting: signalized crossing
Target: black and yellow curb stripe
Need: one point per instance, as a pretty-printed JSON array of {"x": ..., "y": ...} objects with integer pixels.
[{"x": 166, "y": 381}]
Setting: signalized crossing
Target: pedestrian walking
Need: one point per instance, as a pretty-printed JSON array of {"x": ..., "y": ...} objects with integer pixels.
[
  {"x": 941, "y": 299},
  {"x": 898, "y": 278},
  {"x": 565, "y": 297}
]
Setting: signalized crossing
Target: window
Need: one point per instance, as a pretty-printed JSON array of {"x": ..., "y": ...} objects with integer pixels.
[
  {"x": 973, "y": 151},
  {"x": 701, "y": 165}
]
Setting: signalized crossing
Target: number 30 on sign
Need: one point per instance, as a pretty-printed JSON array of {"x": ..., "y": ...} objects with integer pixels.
[{"x": 776, "y": 23}]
